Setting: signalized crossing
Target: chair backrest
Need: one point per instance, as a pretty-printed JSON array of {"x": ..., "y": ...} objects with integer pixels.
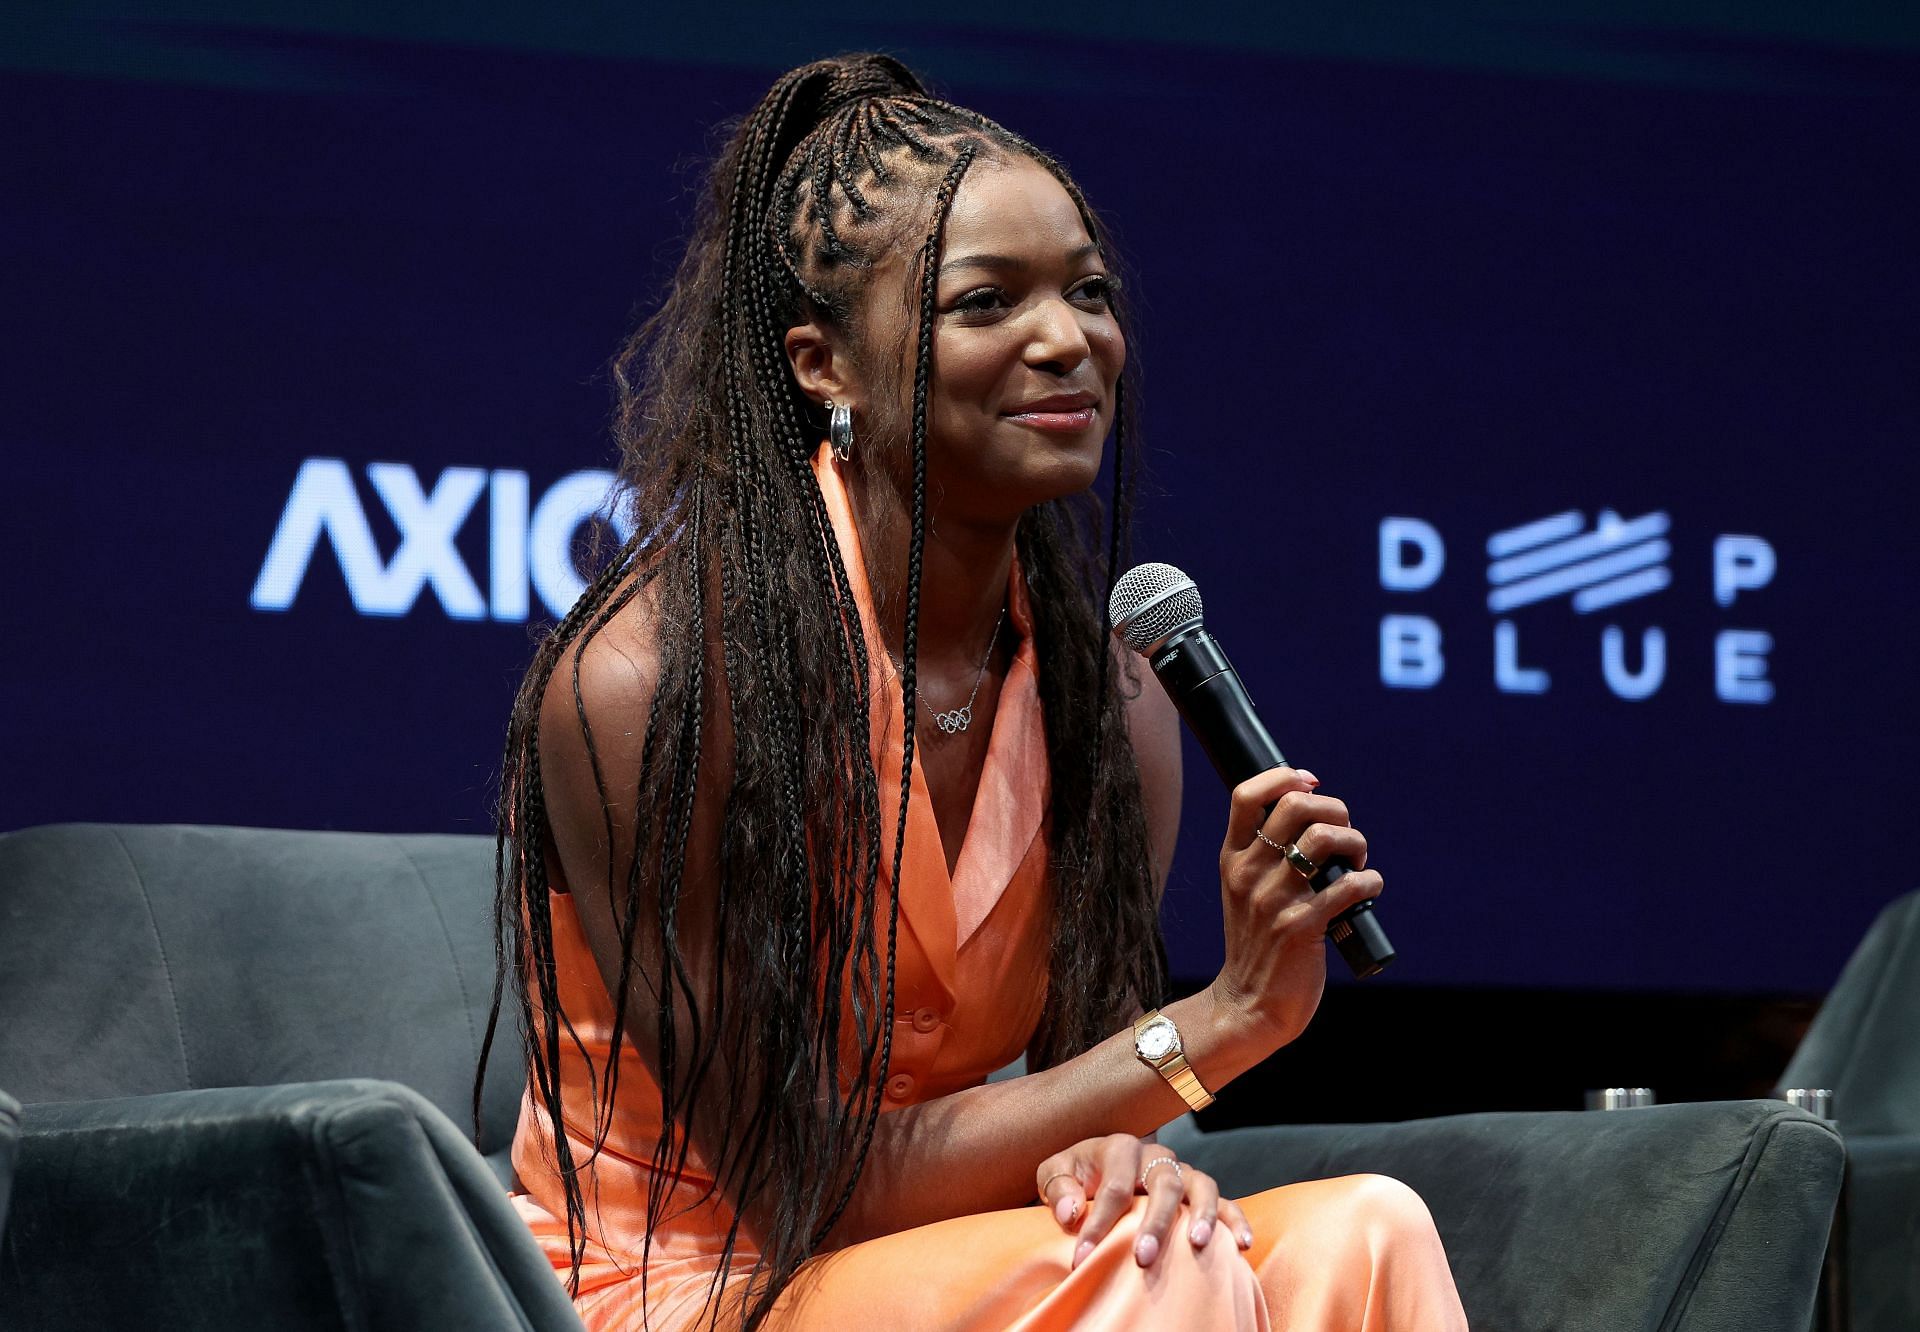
[
  {"x": 1865, "y": 1042},
  {"x": 138, "y": 958}
]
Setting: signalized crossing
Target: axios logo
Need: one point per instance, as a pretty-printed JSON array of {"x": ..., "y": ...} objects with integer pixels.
[
  {"x": 1618, "y": 560},
  {"x": 522, "y": 546}
]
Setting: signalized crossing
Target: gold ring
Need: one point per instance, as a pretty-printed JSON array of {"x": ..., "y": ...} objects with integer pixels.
[
  {"x": 1295, "y": 856},
  {"x": 1058, "y": 1174},
  {"x": 1298, "y": 859}
]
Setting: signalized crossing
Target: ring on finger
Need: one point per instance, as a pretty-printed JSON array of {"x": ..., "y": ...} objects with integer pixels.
[
  {"x": 1300, "y": 861},
  {"x": 1297, "y": 858},
  {"x": 1048, "y": 1182},
  {"x": 1179, "y": 1175}
]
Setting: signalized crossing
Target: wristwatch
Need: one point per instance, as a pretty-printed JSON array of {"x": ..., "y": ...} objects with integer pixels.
[{"x": 1157, "y": 1041}]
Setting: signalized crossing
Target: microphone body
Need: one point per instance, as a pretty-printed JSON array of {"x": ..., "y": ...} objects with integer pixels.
[{"x": 1196, "y": 674}]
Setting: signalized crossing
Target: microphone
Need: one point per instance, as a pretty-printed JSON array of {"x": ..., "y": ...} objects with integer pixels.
[{"x": 1155, "y": 610}]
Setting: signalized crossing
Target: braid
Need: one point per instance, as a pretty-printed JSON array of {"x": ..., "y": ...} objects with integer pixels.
[{"x": 909, "y": 665}]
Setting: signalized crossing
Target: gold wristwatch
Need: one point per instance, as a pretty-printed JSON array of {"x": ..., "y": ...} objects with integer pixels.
[{"x": 1157, "y": 1041}]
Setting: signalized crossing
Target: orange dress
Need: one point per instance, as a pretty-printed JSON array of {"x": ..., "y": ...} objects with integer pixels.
[{"x": 1354, "y": 1253}]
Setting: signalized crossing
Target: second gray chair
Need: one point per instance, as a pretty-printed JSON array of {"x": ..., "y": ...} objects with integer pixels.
[{"x": 1865, "y": 1046}]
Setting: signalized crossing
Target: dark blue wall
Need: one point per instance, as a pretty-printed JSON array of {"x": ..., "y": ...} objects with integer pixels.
[{"x": 1473, "y": 275}]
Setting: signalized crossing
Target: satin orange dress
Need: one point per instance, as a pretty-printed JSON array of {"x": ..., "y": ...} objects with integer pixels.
[{"x": 1354, "y": 1253}]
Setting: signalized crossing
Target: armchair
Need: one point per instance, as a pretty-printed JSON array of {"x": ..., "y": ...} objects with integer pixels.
[
  {"x": 243, "y": 1053},
  {"x": 1710, "y": 1217}
]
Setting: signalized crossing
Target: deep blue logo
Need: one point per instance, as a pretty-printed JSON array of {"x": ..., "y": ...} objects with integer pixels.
[{"x": 1613, "y": 561}]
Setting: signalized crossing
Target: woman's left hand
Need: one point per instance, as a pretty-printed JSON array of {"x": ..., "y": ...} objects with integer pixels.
[{"x": 1097, "y": 1179}]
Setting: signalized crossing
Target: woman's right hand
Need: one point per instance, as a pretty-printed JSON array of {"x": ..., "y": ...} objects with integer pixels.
[
  {"x": 1098, "y": 1178},
  {"x": 1276, "y": 925}
]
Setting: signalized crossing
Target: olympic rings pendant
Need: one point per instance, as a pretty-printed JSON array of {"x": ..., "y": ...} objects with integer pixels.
[{"x": 955, "y": 721}]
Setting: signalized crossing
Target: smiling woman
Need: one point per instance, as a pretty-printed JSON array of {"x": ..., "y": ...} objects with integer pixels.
[{"x": 765, "y": 944}]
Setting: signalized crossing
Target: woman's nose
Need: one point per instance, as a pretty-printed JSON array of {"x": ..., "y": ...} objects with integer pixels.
[{"x": 1057, "y": 338}]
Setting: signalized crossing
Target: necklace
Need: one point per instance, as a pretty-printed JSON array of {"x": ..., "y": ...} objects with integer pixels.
[{"x": 958, "y": 719}]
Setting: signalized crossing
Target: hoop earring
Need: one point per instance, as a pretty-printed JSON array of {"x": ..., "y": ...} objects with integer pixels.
[{"x": 840, "y": 429}]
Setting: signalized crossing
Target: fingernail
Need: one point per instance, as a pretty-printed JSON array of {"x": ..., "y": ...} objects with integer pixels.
[
  {"x": 1246, "y": 1239},
  {"x": 1081, "y": 1250},
  {"x": 1145, "y": 1250},
  {"x": 1307, "y": 777},
  {"x": 1065, "y": 1210},
  {"x": 1202, "y": 1232}
]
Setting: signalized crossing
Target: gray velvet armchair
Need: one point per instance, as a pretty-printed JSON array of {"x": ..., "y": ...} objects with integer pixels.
[{"x": 243, "y": 1054}]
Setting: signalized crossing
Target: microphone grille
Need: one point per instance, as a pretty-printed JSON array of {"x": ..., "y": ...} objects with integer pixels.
[{"x": 1149, "y": 602}]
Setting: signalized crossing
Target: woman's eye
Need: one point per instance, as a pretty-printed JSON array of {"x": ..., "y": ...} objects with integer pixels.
[
  {"x": 1099, "y": 289},
  {"x": 979, "y": 299}
]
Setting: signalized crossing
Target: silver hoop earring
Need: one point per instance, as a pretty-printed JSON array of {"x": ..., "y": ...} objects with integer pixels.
[{"x": 840, "y": 429}]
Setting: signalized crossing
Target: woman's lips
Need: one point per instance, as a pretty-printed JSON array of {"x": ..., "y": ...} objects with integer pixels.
[{"x": 1062, "y": 421}]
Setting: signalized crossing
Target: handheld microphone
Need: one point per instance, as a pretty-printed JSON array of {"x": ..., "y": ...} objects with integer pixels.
[{"x": 1155, "y": 610}]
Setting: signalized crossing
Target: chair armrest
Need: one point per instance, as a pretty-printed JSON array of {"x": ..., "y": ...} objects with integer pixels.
[
  {"x": 313, "y": 1205},
  {"x": 1704, "y": 1218},
  {"x": 1883, "y": 1231},
  {"x": 9, "y": 1150}
]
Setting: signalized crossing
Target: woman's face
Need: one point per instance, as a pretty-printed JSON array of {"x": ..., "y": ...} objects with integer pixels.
[{"x": 1026, "y": 349}]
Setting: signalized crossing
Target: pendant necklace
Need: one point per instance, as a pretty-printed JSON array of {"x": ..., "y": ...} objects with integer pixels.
[{"x": 960, "y": 718}]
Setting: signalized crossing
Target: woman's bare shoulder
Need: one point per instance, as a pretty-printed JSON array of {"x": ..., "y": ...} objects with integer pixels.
[{"x": 604, "y": 683}]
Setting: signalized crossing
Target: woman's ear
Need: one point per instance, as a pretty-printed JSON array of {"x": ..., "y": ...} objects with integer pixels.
[{"x": 817, "y": 368}]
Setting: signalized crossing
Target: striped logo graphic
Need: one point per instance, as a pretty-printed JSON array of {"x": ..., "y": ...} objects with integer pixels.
[{"x": 1616, "y": 560}]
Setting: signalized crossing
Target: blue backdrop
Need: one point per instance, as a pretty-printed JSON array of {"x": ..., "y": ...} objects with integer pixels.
[{"x": 1534, "y": 405}]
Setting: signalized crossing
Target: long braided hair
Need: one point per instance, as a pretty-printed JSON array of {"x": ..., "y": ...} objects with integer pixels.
[{"x": 839, "y": 162}]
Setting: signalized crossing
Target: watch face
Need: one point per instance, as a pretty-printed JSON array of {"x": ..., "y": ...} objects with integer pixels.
[{"x": 1157, "y": 1040}]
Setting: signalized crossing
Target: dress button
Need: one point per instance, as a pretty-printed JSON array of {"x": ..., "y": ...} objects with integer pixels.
[
  {"x": 900, "y": 1086},
  {"x": 925, "y": 1020}
]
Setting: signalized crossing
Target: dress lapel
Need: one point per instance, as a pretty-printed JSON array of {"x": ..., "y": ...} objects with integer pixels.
[
  {"x": 944, "y": 912},
  {"x": 1012, "y": 796},
  {"x": 926, "y": 895}
]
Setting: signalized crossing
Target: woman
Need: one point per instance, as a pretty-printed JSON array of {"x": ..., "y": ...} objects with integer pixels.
[{"x": 766, "y": 942}]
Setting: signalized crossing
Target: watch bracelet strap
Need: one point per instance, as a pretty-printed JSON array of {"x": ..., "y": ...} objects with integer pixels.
[{"x": 1181, "y": 1077}]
